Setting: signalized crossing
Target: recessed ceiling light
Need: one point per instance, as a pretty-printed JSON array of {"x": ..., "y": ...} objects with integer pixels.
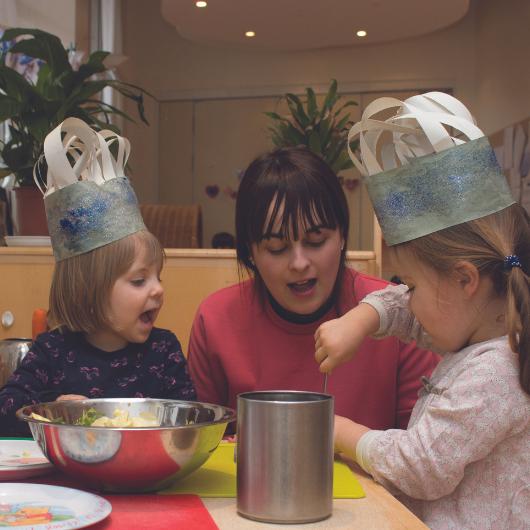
[
  {"x": 361, "y": 33},
  {"x": 250, "y": 34},
  {"x": 201, "y": 4}
]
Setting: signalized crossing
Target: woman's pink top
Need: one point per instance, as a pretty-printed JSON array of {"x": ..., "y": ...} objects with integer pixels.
[{"x": 239, "y": 344}]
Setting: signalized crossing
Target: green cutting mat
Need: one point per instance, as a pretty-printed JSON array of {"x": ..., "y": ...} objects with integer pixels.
[{"x": 217, "y": 478}]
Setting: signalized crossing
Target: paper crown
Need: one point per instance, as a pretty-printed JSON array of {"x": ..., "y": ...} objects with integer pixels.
[
  {"x": 89, "y": 202},
  {"x": 428, "y": 179}
]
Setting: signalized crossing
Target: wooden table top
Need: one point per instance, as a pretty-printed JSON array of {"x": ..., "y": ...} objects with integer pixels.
[{"x": 379, "y": 510}]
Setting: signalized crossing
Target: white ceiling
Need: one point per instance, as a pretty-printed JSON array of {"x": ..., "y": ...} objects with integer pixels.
[{"x": 309, "y": 24}]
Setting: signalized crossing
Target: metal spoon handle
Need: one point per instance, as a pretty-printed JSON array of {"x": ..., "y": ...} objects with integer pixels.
[{"x": 325, "y": 383}]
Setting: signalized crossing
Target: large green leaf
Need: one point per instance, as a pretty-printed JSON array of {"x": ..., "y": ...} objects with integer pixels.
[
  {"x": 314, "y": 142},
  {"x": 342, "y": 107},
  {"x": 94, "y": 65},
  {"x": 331, "y": 97},
  {"x": 324, "y": 130},
  {"x": 312, "y": 109},
  {"x": 43, "y": 46},
  {"x": 9, "y": 107},
  {"x": 297, "y": 110},
  {"x": 275, "y": 116},
  {"x": 342, "y": 123},
  {"x": 13, "y": 84}
]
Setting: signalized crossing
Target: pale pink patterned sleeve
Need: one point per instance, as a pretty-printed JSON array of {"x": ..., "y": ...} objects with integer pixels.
[
  {"x": 396, "y": 320},
  {"x": 460, "y": 425}
]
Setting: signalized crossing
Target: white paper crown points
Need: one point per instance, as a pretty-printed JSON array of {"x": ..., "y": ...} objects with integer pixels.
[
  {"x": 89, "y": 201},
  {"x": 427, "y": 166}
]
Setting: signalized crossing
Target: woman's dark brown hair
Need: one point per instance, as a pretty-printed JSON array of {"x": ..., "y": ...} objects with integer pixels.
[{"x": 300, "y": 185}]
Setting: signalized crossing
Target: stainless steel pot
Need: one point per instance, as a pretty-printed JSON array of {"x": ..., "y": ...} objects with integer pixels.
[
  {"x": 12, "y": 351},
  {"x": 285, "y": 456}
]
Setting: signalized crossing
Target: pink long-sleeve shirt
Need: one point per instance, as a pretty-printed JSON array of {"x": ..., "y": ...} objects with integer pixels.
[
  {"x": 239, "y": 344},
  {"x": 464, "y": 461}
]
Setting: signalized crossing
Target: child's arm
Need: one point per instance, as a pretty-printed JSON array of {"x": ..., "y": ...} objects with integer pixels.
[
  {"x": 466, "y": 417},
  {"x": 381, "y": 314},
  {"x": 337, "y": 341},
  {"x": 347, "y": 434}
]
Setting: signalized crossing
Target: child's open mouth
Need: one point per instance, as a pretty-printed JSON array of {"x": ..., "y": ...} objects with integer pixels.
[
  {"x": 302, "y": 287},
  {"x": 148, "y": 317}
]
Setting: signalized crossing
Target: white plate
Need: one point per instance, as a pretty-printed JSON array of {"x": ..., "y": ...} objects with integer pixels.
[
  {"x": 20, "y": 459},
  {"x": 43, "y": 506},
  {"x": 27, "y": 241}
]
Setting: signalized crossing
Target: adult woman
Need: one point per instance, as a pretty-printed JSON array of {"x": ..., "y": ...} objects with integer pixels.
[{"x": 291, "y": 226}]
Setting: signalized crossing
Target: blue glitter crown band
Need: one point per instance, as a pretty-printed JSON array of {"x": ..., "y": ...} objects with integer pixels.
[
  {"x": 89, "y": 201},
  {"x": 427, "y": 180}
]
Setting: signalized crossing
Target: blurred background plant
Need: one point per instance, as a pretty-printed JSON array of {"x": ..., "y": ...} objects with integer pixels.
[
  {"x": 41, "y": 84},
  {"x": 323, "y": 129}
]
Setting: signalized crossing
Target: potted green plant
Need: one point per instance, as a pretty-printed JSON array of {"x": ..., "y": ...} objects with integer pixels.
[
  {"x": 324, "y": 130},
  {"x": 32, "y": 109}
]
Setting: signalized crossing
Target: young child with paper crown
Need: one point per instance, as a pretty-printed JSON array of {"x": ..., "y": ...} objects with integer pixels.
[
  {"x": 106, "y": 291},
  {"x": 462, "y": 247}
]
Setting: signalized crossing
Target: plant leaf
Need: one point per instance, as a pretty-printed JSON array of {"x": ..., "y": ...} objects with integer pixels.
[
  {"x": 314, "y": 142},
  {"x": 331, "y": 97},
  {"x": 312, "y": 109},
  {"x": 297, "y": 110},
  {"x": 9, "y": 107},
  {"x": 43, "y": 46}
]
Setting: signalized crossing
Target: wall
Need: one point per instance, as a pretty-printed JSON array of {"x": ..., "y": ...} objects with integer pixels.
[
  {"x": 174, "y": 69},
  {"x": 54, "y": 16},
  {"x": 502, "y": 72},
  {"x": 481, "y": 58}
]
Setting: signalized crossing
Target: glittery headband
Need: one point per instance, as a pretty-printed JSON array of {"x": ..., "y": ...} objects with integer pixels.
[
  {"x": 89, "y": 201},
  {"x": 427, "y": 179}
]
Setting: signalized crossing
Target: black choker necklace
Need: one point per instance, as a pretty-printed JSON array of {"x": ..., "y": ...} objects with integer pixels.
[{"x": 296, "y": 318}]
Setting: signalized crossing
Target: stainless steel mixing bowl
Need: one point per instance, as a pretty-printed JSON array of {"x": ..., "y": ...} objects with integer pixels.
[
  {"x": 129, "y": 459},
  {"x": 12, "y": 351}
]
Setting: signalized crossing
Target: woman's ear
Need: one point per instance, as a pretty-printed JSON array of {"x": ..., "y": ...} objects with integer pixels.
[{"x": 467, "y": 276}]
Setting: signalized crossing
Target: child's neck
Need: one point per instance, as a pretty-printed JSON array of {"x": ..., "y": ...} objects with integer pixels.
[
  {"x": 106, "y": 342},
  {"x": 490, "y": 322}
]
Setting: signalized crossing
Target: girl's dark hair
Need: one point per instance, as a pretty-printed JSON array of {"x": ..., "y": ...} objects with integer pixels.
[
  {"x": 300, "y": 185},
  {"x": 486, "y": 242}
]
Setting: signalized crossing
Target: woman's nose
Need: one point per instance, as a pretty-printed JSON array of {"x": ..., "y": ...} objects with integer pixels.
[{"x": 299, "y": 261}]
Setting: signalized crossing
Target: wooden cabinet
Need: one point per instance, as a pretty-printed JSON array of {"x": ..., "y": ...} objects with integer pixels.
[{"x": 188, "y": 277}]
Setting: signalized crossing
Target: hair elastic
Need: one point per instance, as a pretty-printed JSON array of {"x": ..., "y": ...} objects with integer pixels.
[{"x": 512, "y": 261}]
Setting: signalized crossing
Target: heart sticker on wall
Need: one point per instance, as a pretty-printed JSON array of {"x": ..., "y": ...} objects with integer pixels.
[{"x": 212, "y": 190}]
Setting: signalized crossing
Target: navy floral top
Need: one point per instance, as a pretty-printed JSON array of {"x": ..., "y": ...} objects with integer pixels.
[{"x": 65, "y": 363}]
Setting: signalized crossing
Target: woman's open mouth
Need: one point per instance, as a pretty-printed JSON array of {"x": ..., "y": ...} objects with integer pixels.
[{"x": 302, "y": 287}]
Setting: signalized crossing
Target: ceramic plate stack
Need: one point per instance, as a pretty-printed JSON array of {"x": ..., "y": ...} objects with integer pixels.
[{"x": 27, "y": 241}]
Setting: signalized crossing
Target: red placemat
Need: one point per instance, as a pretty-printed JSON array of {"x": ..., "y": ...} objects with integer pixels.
[
  {"x": 143, "y": 511},
  {"x": 160, "y": 512}
]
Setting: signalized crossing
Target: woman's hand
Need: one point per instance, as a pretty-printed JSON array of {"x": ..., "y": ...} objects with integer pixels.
[
  {"x": 347, "y": 434},
  {"x": 337, "y": 341},
  {"x": 70, "y": 397}
]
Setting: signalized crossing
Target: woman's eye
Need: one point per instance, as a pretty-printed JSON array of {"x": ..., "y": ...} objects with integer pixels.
[
  {"x": 276, "y": 251},
  {"x": 138, "y": 282},
  {"x": 316, "y": 244}
]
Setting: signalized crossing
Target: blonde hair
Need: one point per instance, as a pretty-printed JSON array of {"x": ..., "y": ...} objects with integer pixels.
[
  {"x": 81, "y": 285},
  {"x": 485, "y": 243}
]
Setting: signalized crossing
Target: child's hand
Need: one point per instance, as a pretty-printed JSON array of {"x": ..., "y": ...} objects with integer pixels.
[
  {"x": 70, "y": 397},
  {"x": 337, "y": 341},
  {"x": 347, "y": 434}
]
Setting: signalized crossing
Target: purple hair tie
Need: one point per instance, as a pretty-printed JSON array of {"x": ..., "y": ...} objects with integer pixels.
[{"x": 512, "y": 261}]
